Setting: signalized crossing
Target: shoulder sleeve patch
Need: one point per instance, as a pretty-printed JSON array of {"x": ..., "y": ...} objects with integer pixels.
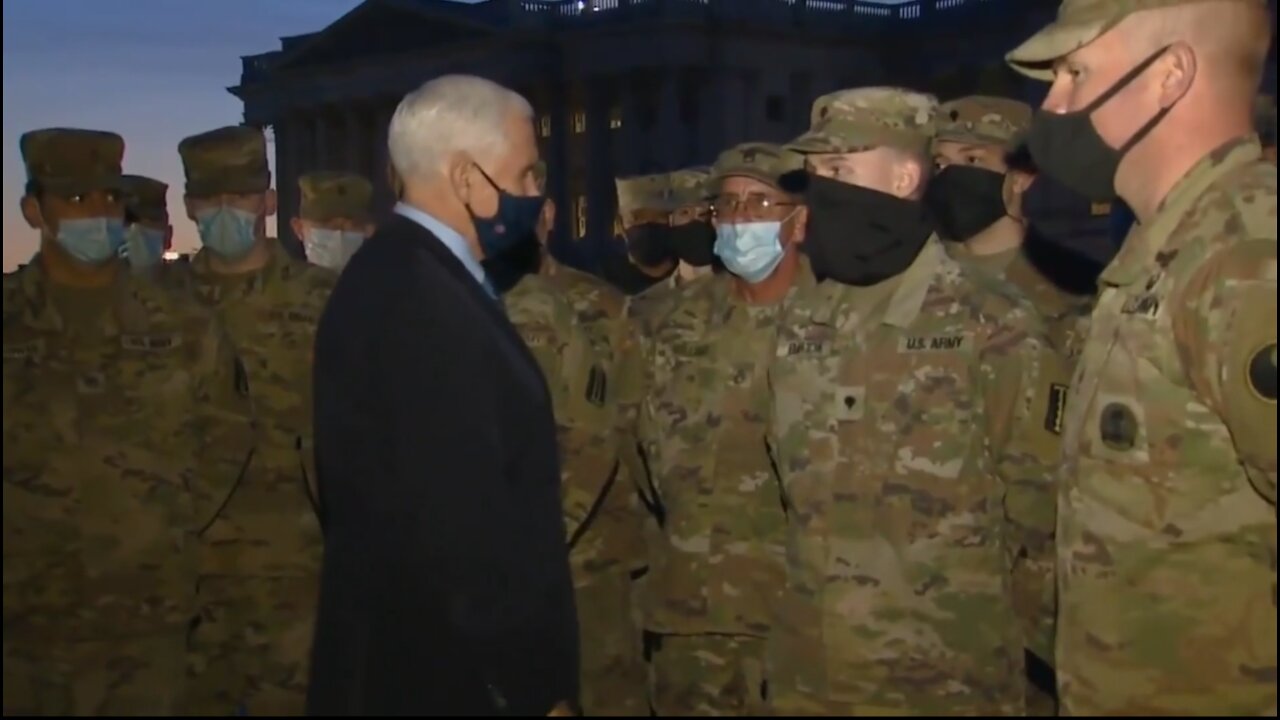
[
  {"x": 1055, "y": 409},
  {"x": 1262, "y": 373}
]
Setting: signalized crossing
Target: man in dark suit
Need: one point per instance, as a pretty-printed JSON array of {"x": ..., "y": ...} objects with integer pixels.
[{"x": 445, "y": 586}]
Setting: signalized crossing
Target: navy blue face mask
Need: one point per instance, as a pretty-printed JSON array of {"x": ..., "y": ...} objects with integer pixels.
[{"x": 514, "y": 222}]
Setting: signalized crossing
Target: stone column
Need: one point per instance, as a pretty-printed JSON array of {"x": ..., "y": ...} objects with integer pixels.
[
  {"x": 599, "y": 166},
  {"x": 383, "y": 196},
  {"x": 324, "y": 140},
  {"x": 708, "y": 132},
  {"x": 558, "y": 166},
  {"x": 669, "y": 141},
  {"x": 287, "y": 139},
  {"x": 628, "y": 137},
  {"x": 733, "y": 106},
  {"x": 356, "y": 140},
  {"x": 800, "y": 101}
]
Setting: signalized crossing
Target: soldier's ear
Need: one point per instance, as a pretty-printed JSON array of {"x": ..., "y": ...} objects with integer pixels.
[
  {"x": 909, "y": 178},
  {"x": 31, "y": 212},
  {"x": 299, "y": 229},
  {"x": 799, "y": 222},
  {"x": 549, "y": 213},
  {"x": 269, "y": 202},
  {"x": 190, "y": 207}
]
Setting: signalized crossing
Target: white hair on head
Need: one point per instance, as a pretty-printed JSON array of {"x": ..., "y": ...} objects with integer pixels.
[{"x": 449, "y": 114}]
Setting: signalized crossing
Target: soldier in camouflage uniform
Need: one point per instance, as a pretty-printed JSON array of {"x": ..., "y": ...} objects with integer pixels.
[
  {"x": 333, "y": 217},
  {"x": 913, "y": 426},
  {"x": 571, "y": 321},
  {"x": 693, "y": 407},
  {"x": 148, "y": 233},
  {"x": 1167, "y": 518},
  {"x": 262, "y": 554},
  {"x": 643, "y": 226},
  {"x": 1264, "y": 123},
  {"x": 692, "y": 235},
  {"x": 977, "y": 200},
  {"x": 123, "y": 433}
]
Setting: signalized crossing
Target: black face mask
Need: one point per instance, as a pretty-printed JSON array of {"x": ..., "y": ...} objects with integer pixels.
[
  {"x": 618, "y": 270},
  {"x": 693, "y": 242},
  {"x": 506, "y": 269},
  {"x": 858, "y": 236},
  {"x": 649, "y": 244},
  {"x": 1051, "y": 211},
  {"x": 1068, "y": 146},
  {"x": 965, "y": 200}
]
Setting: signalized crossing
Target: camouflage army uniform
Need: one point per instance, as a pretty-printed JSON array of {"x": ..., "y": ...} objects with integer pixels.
[
  {"x": 570, "y": 321},
  {"x": 913, "y": 429},
  {"x": 687, "y": 191},
  {"x": 1167, "y": 522},
  {"x": 1167, "y": 532},
  {"x": 1002, "y": 122},
  {"x": 123, "y": 433},
  {"x": 261, "y": 560},
  {"x": 695, "y": 397},
  {"x": 335, "y": 201}
]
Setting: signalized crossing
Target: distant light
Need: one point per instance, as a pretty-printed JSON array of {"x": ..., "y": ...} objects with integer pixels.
[
  {"x": 581, "y": 5},
  {"x": 172, "y": 255}
]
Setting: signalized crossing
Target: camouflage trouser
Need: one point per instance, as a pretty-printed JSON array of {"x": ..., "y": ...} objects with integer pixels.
[
  {"x": 708, "y": 675},
  {"x": 787, "y": 702},
  {"x": 613, "y": 671},
  {"x": 114, "y": 677},
  {"x": 251, "y": 648}
]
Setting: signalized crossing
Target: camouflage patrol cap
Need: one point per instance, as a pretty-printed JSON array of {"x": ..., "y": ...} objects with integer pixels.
[
  {"x": 849, "y": 121},
  {"x": 983, "y": 120},
  {"x": 1264, "y": 119},
  {"x": 334, "y": 195},
  {"x": 689, "y": 186},
  {"x": 760, "y": 161},
  {"x": 644, "y": 192},
  {"x": 70, "y": 160},
  {"x": 227, "y": 161},
  {"x": 1079, "y": 23},
  {"x": 146, "y": 198}
]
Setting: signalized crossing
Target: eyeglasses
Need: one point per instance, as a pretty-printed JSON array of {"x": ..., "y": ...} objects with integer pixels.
[{"x": 753, "y": 206}]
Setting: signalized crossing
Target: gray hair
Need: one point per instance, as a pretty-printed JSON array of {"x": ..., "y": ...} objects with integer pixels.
[{"x": 449, "y": 114}]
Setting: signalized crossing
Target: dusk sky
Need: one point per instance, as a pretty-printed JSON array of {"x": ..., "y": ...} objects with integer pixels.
[{"x": 154, "y": 71}]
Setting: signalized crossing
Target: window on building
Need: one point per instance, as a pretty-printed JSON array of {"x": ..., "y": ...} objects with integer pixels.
[
  {"x": 615, "y": 118},
  {"x": 579, "y": 122},
  {"x": 544, "y": 126},
  {"x": 580, "y": 216},
  {"x": 775, "y": 108}
]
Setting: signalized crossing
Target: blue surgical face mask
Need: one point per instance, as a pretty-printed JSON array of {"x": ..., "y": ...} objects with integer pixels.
[
  {"x": 331, "y": 248},
  {"x": 750, "y": 250},
  {"x": 227, "y": 231},
  {"x": 143, "y": 247},
  {"x": 515, "y": 221},
  {"x": 92, "y": 241}
]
